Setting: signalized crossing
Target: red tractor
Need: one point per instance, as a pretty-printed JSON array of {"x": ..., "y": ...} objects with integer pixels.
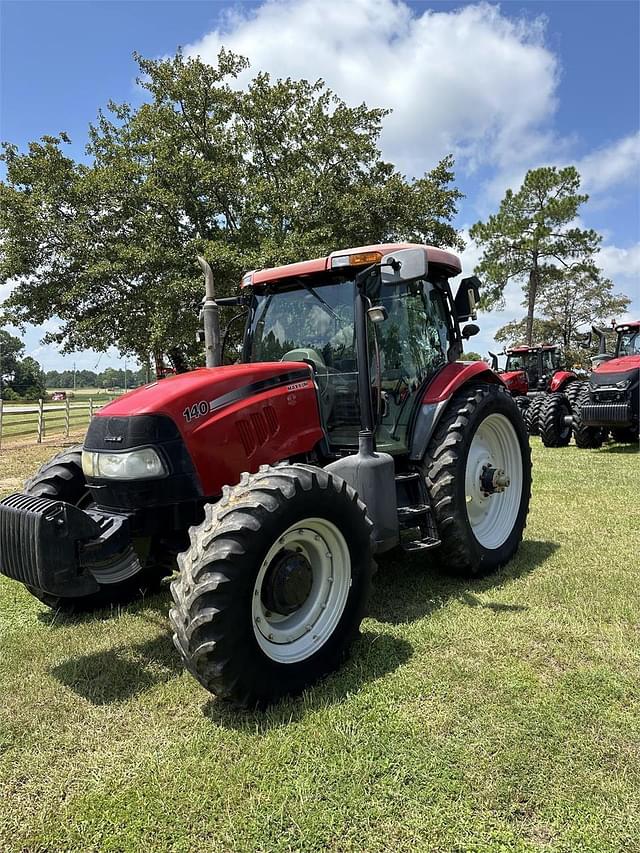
[
  {"x": 609, "y": 401},
  {"x": 530, "y": 374},
  {"x": 348, "y": 428}
]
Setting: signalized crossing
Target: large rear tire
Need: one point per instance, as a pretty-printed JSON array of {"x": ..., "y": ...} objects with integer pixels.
[
  {"x": 572, "y": 390},
  {"x": 532, "y": 414},
  {"x": 273, "y": 589},
  {"x": 61, "y": 478},
  {"x": 480, "y": 523},
  {"x": 586, "y": 437},
  {"x": 553, "y": 426}
]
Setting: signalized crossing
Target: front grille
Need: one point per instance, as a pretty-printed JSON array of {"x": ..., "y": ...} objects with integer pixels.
[
  {"x": 604, "y": 414},
  {"x": 610, "y": 395}
]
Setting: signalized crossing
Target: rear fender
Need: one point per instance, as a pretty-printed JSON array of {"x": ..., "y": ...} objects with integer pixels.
[
  {"x": 437, "y": 396},
  {"x": 560, "y": 379}
]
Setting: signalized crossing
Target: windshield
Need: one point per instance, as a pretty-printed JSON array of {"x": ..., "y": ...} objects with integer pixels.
[
  {"x": 629, "y": 342},
  {"x": 318, "y": 320},
  {"x": 518, "y": 361}
]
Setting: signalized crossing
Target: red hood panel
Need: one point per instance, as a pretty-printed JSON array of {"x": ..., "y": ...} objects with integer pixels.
[
  {"x": 619, "y": 365},
  {"x": 161, "y": 397}
]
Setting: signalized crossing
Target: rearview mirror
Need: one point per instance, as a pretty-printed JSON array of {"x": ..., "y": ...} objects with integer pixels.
[
  {"x": 585, "y": 341},
  {"x": 469, "y": 331},
  {"x": 403, "y": 265},
  {"x": 466, "y": 298}
]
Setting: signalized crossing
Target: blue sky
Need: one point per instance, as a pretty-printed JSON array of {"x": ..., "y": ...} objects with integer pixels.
[{"x": 506, "y": 88}]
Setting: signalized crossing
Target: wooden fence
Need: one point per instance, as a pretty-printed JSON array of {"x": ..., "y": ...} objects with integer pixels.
[{"x": 44, "y": 420}]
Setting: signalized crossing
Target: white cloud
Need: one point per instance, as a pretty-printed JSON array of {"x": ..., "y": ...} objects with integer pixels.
[
  {"x": 620, "y": 263},
  {"x": 612, "y": 165},
  {"x": 456, "y": 80}
]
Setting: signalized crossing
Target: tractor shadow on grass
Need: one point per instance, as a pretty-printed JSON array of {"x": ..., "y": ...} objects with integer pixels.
[
  {"x": 404, "y": 589},
  {"x": 374, "y": 655},
  {"x": 122, "y": 672}
]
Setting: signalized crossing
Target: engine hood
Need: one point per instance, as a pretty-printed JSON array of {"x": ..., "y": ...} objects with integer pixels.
[
  {"x": 619, "y": 365},
  {"x": 213, "y": 385},
  {"x": 511, "y": 376}
]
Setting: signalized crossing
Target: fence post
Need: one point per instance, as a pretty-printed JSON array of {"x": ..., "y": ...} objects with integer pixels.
[
  {"x": 40, "y": 420},
  {"x": 90, "y": 408},
  {"x": 0, "y": 422},
  {"x": 66, "y": 417}
]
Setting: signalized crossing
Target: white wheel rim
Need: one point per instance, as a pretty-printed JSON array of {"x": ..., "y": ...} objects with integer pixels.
[
  {"x": 493, "y": 516},
  {"x": 294, "y": 637}
]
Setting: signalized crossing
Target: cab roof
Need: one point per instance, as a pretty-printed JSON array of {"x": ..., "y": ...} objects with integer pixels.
[
  {"x": 627, "y": 327},
  {"x": 523, "y": 349},
  {"x": 441, "y": 257}
]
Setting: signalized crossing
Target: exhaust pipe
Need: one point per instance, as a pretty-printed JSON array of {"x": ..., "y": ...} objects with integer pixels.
[{"x": 210, "y": 319}]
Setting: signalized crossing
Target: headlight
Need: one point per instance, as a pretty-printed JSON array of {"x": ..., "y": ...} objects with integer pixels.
[
  {"x": 624, "y": 383},
  {"x": 143, "y": 464}
]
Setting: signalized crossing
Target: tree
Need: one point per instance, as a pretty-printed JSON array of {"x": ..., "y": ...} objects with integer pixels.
[
  {"x": 276, "y": 172},
  {"x": 10, "y": 350},
  {"x": 532, "y": 235},
  {"x": 570, "y": 302},
  {"x": 471, "y": 356},
  {"x": 28, "y": 381}
]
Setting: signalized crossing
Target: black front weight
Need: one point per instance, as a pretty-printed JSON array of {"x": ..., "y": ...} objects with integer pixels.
[{"x": 40, "y": 541}]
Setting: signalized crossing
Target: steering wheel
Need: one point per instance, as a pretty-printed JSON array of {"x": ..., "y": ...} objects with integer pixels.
[{"x": 320, "y": 370}]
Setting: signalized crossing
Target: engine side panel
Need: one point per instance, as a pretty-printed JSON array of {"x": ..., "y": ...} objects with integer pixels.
[{"x": 233, "y": 419}]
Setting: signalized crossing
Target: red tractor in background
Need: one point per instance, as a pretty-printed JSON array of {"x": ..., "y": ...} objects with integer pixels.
[
  {"x": 348, "y": 428},
  {"x": 609, "y": 401},
  {"x": 530, "y": 374}
]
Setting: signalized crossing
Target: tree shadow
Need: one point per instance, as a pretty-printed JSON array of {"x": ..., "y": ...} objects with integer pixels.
[
  {"x": 406, "y": 590},
  {"x": 120, "y": 673},
  {"x": 374, "y": 655}
]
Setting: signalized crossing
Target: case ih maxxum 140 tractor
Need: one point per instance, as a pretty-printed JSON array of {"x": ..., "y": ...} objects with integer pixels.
[
  {"x": 530, "y": 374},
  {"x": 347, "y": 428}
]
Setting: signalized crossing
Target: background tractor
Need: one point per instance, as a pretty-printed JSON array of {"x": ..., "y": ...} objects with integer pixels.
[
  {"x": 608, "y": 402},
  {"x": 348, "y": 428},
  {"x": 530, "y": 374}
]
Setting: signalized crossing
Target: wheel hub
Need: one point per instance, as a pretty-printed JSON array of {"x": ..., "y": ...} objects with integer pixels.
[
  {"x": 493, "y": 480},
  {"x": 287, "y": 583}
]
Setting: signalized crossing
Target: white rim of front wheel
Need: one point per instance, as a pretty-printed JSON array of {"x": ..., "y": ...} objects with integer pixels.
[
  {"x": 294, "y": 637},
  {"x": 492, "y": 516}
]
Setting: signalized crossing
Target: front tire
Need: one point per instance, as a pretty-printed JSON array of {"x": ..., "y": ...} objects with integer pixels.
[
  {"x": 480, "y": 525},
  {"x": 532, "y": 414},
  {"x": 62, "y": 479},
  {"x": 273, "y": 589},
  {"x": 586, "y": 437},
  {"x": 554, "y": 429}
]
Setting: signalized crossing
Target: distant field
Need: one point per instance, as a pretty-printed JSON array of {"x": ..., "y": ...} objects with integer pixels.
[{"x": 496, "y": 716}]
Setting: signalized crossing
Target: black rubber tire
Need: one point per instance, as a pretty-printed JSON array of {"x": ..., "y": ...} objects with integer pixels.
[
  {"x": 522, "y": 403},
  {"x": 444, "y": 468},
  {"x": 554, "y": 432},
  {"x": 586, "y": 437},
  {"x": 532, "y": 414},
  {"x": 572, "y": 390},
  {"x": 211, "y": 619},
  {"x": 61, "y": 478}
]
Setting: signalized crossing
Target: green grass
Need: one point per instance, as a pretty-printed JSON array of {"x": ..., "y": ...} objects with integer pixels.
[{"x": 501, "y": 715}]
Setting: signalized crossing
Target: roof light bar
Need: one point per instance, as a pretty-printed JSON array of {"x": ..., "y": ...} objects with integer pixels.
[{"x": 355, "y": 260}]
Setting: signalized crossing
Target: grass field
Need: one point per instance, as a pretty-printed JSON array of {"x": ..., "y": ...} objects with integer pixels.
[{"x": 500, "y": 715}]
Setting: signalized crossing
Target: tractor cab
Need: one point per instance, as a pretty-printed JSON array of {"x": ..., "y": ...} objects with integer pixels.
[
  {"x": 538, "y": 363},
  {"x": 308, "y": 313}
]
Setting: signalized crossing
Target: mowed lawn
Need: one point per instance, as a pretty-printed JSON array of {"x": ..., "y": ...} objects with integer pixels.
[{"x": 502, "y": 714}]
